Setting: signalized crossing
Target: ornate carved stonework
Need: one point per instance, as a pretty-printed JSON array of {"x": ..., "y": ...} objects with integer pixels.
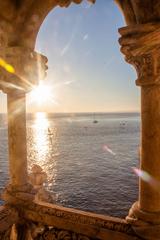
[
  {"x": 52, "y": 210},
  {"x": 28, "y": 67},
  {"x": 8, "y": 216},
  {"x": 5, "y": 235},
  {"x": 60, "y": 234},
  {"x": 71, "y": 221},
  {"x": 145, "y": 224},
  {"x": 141, "y": 46},
  {"x": 37, "y": 178},
  {"x": 25, "y": 17}
]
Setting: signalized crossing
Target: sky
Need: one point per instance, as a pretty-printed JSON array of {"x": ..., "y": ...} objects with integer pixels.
[{"x": 87, "y": 72}]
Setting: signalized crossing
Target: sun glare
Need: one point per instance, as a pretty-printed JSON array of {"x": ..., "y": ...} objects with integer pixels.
[{"x": 41, "y": 93}]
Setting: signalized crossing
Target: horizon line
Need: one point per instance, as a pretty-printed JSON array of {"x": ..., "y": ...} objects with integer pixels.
[{"x": 91, "y": 112}]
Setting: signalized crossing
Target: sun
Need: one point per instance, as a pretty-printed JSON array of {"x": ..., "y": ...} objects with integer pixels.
[{"x": 41, "y": 94}]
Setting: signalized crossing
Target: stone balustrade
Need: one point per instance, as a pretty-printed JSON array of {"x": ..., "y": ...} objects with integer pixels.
[{"x": 40, "y": 220}]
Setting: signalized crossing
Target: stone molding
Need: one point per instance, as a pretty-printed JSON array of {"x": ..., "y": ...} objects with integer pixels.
[
  {"x": 67, "y": 219},
  {"x": 144, "y": 224},
  {"x": 80, "y": 222},
  {"x": 46, "y": 221},
  {"x": 141, "y": 46},
  {"x": 79, "y": 216}
]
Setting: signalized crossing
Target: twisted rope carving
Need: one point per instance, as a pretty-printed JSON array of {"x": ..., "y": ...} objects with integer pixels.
[{"x": 144, "y": 224}]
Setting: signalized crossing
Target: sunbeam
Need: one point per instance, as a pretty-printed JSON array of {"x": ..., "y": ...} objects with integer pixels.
[{"x": 41, "y": 94}]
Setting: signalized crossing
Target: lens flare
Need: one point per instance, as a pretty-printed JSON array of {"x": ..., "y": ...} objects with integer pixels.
[
  {"x": 6, "y": 66},
  {"x": 142, "y": 174},
  {"x": 146, "y": 177},
  {"x": 107, "y": 149}
]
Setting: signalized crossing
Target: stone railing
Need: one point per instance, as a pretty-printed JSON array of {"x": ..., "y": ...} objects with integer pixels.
[
  {"x": 44, "y": 221},
  {"x": 28, "y": 215}
]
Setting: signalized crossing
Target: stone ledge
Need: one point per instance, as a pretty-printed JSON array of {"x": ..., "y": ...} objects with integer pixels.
[{"x": 92, "y": 225}]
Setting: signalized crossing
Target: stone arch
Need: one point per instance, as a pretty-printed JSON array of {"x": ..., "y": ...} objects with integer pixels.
[
  {"x": 25, "y": 18},
  {"x": 17, "y": 45},
  {"x": 20, "y": 21}
]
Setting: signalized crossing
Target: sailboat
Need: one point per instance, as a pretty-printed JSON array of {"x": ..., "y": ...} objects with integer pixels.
[{"x": 94, "y": 120}]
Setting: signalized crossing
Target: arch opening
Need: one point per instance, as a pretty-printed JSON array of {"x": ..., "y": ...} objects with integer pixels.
[{"x": 93, "y": 161}]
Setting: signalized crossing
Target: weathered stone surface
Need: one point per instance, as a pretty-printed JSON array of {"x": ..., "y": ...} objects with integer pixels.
[
  {"x": 145, "y": 224},
  {"x": 17, "y": 138},
  {"x": 36, "y": 169},
  {"x": 140, "y": 43},
  {"x": 6, "y": 235},
  {"x": 66, "y": 224},
  {"x": 79, "y": 222},
  {"x": 19, "y": 24},
  {"x": 57, "y": 234},
  {"x": 144, "y": 57},
  {"x": 146, "y": 61},
  {"x": 140, "y": 11},
  {"x": 37, "y": 178},
  {"x": 17, "y": 194},
  {"x": 28, "y": 67},
  {"x": 26, "y": 18},
  {"x": 8, "y": 216}
]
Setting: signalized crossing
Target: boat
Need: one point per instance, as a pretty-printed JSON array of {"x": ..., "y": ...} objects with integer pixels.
[{"x": 94, "y": 120}]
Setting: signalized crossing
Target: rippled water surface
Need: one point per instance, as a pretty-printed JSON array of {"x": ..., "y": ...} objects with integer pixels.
[{"x": 89, "y": 165}]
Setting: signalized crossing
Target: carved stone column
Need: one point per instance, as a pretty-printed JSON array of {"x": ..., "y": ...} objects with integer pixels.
[
  {"x": 17, "y": 137},
  {"x": 141, "y": 46},
  {"x": 20, "y": 71}
]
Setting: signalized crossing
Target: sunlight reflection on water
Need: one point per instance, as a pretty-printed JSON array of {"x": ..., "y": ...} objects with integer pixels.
[
  {"x": 78, "y": 158},
  {"x": 43, "y": 145},
  {"x": 40, "y": 136}
]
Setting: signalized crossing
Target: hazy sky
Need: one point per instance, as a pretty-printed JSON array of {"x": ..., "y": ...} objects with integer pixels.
[{"x": 87, "y": 72}]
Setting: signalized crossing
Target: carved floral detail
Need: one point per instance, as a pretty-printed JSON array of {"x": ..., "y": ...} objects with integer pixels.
[
  {"x": 145, "y": 68},
  {"x": 60, "y": 234},
  {"x": 144, "y": 57}
]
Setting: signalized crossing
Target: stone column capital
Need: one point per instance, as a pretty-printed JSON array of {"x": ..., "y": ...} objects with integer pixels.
[
  {"x": 20, "y": 69},
  {"x": 140, "y": 44}
]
